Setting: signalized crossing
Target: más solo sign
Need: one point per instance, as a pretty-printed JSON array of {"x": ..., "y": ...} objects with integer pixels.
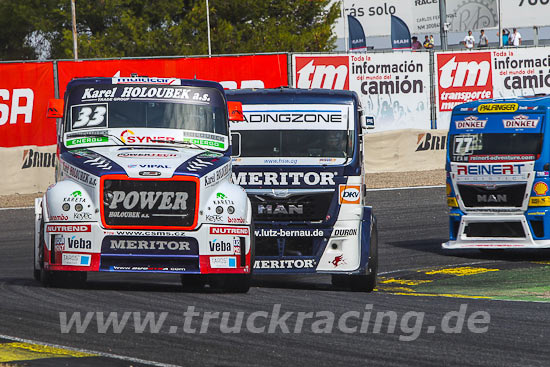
[
  {"x": 393, "y": 87},
  {"x": 468, "y": 76}
]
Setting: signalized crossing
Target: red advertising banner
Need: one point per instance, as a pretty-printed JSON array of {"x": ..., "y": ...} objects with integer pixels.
[
  {"x": 25, "y": 89},
  {"x": 251, "y": 71}
]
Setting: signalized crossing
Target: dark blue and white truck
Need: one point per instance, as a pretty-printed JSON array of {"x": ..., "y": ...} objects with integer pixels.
[{"x": 298, "y": 153}]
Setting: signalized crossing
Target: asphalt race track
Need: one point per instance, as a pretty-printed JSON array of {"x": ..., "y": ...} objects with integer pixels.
[{"x": 412, "y": 224}]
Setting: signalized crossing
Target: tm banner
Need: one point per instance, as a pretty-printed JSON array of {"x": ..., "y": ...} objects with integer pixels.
[
  {"x": 393, "y": 87},
  {"x": 468, "y": 76}
]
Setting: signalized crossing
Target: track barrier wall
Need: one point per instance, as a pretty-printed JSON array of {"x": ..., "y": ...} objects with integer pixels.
[{"x": 410, "y": 95}]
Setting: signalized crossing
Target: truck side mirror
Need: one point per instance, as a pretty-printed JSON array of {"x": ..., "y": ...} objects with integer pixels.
[
  {"x": 367, "y": 122},
  {"x": 235, "y": 110},
  {"x": 235, "y": 144},
  {"x": 55, "y": 108}
]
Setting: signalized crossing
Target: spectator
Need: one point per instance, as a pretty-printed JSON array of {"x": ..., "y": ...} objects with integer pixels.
[
  {"x": 515, "y": 38},
  {"x": 483, "y": 40},
  {"x": 432, "y": 40},
  {"x": 505, "y": 36},
  {"x": 427, "y": 44},
  {"x": 415, "y": 44},
  {"x": 469, "y": 41}
]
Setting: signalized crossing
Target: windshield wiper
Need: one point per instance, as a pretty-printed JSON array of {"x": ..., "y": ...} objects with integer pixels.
[{"x": 83, "y": 135}]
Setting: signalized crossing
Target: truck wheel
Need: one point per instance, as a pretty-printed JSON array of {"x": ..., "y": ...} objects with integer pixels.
[
  {"x": 339, "y": 280},
  {"x": 367, "y": 282},
  {"x": 231, "y": 283},
  {"x": 63, "y": 279},
  {"x": 193, "y": 281}
]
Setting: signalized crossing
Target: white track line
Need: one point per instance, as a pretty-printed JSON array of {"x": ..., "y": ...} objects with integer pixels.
[
  {"x": 100, "y": 354},
  {"x": 23, "y": 207}
]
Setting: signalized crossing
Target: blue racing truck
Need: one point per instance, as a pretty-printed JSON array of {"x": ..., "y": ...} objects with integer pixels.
[
  {"x": 498, "y": 173},
  {"x": 298, "y": 153}
]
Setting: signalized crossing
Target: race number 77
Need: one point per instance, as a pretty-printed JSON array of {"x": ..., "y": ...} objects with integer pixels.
[{"x": 462, "y": 145}]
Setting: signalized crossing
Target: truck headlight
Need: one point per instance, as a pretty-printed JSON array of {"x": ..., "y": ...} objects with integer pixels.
[
  {"x": 66, "y": 207},
  {"x": 230, "y": 210},
  {"x": 219, "y": 210},
  {"x": 78, "y": 207}
]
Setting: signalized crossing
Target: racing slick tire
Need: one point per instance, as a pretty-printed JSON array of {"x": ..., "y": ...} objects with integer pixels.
[
  {"x": 232, "y": 283},
  {"x": 193, "y": 281}
]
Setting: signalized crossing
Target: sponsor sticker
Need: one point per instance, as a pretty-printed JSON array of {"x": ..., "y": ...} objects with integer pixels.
[
  {"x": 345, "y": 232},
  {"x": 234, "y": 231},
  {"x": 223, "y": 262},
  {"x": 540, "y": 201},
  {"x": 349, "y": 194},
  {"x": 540, "y": 188},
  {"x": 76, "y": 259},
  {"x": 285, "y": 264},
  {"x": 520, "y": 122},
  {"x": 497, "y": 107},
  {"x": 470, "y": 122},
  {"x": 68, "y": 228}
]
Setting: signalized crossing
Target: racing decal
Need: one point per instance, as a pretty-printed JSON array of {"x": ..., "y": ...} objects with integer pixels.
[
  {"x": 198, "y": 164},
  {"x": 492, "y": 172},
  {"x": 497, "y": 107},
  {"x": 470, "y": 122},
  {"x": 72, "y": 243},
  {"x": 329, "y": 72},
  {"x": 146, "y": 80},
  {"x": 281, "y": 232},
  {"x": 76, "y": 259},
  {"x": 224, "y": 246},
  {"x": 431, "y": 142},
  {"x": 78, "y": 174},
  {"x": 104, "y": 93},
  {"x": 149, "y": 203},
  {"x": 284, "y": 178},
  {"x": 338, "y": 261},
  {"x": 520, "y": 121},
  {"x": 146, "y": 245},
  {"x": 223, "y": 262},
  {"x": 540, "y": 188},
  {"x": 285, "y": 264},
  {"x": 99, "y": 162},
  {"x": 349, "y": 194},
  {"x": 217, "y": 175},
  {"x": 89, "y": 116},
  {"x": 236, "y": 231},
  {"x": 56, "y": 228},
  {"x": 344, "y": 232},
  {"x": 299, "y": 117},
  {"x": 283, "y": 209},
  {"x": 148, "y": 155}
]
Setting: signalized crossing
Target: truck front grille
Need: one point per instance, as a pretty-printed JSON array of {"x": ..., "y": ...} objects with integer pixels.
[
  {"x": 304, "y": 208},
  {"x": 497, "y": 195},
  {"x": 129, "y": 203},
  {"x": 495, "y": 229}
]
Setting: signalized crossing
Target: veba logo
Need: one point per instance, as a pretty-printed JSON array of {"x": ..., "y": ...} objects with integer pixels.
[
  {"x": 328, "y": 72},
  {"x": 463, "y": 77}
]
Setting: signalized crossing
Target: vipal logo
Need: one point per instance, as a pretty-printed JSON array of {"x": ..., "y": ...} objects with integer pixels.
[
  {"x": 328, "y": 72},
  {"x": 463, "y": 77}
]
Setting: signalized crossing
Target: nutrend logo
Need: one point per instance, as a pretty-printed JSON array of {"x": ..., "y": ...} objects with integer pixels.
[
  {"x": 463, "y": 77},
  {"x": 328, "y": 72}
]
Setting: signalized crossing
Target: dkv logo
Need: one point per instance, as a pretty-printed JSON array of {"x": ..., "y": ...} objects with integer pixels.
[
  {"x": 463, "y": 77},
  {"x": 328, "y": 72},
  {"x": 349, "y": 194}
]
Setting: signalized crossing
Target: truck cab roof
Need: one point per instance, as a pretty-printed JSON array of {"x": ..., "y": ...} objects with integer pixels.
[
  {"x": 524, "y": 103},
  {"x": 292, "y": 95}
]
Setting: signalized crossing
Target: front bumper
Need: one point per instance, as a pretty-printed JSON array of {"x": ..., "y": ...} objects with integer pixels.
[
  {"x": 210, "y": 249},
  {"x": 516, "y": 232}
]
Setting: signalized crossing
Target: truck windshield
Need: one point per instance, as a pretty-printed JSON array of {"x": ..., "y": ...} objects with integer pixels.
[
  {"x": 159, "y": 107},
  {"x": 295, "y": 143},
  {"x": 488, "y": 147}
]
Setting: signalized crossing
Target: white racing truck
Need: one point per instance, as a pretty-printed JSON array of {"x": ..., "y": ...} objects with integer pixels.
[
  {"x": 143, "y": 185},
  {"x": 299, "y": 154}
]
